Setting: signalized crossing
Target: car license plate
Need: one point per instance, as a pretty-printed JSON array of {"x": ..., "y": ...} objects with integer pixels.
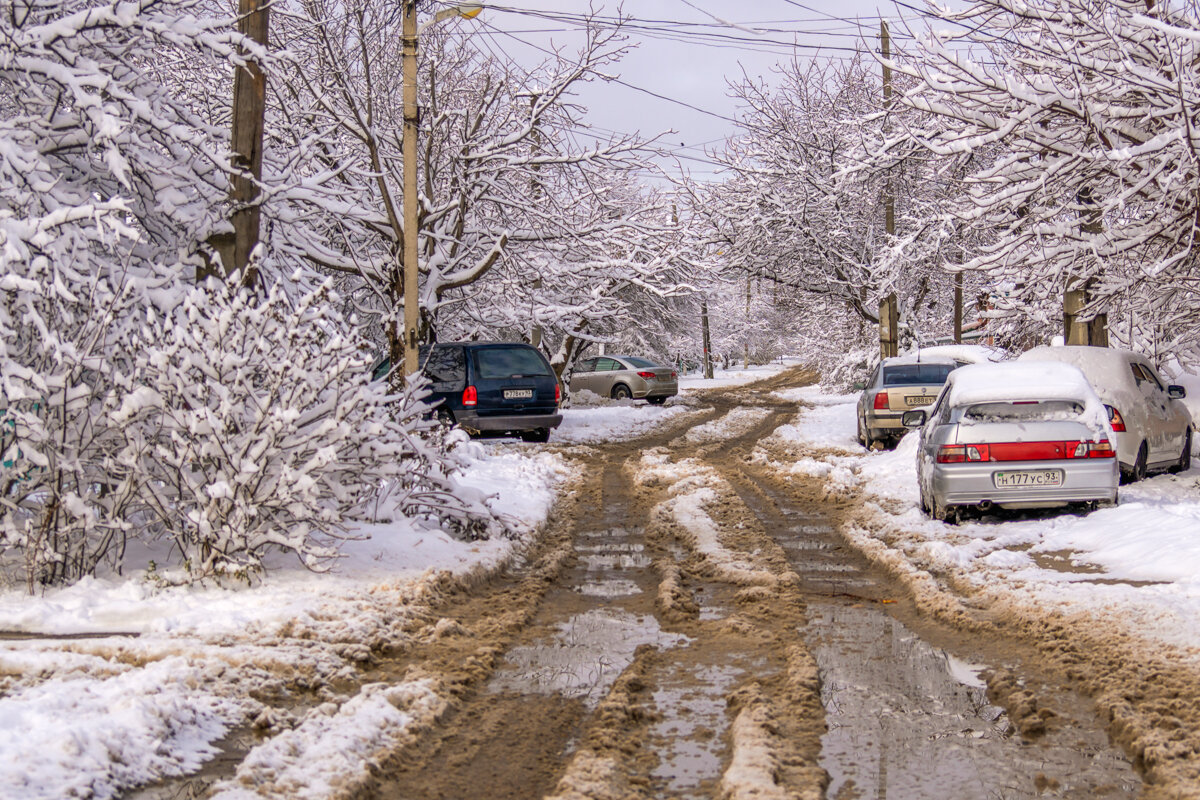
[
  {"x": 919, "y": 401},
  {"x": 1028, "y": 477},
  {"x": 518, "y": 394}
]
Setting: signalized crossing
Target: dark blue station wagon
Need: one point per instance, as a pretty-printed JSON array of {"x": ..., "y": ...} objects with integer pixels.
[{"x": 492, "y": 387}]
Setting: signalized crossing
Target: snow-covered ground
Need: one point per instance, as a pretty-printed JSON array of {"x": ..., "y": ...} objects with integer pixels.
[
  {"x": 600, "y": 420},
  {"x": 1136, "y": 565},
  {"x": 87, "y": 717}
]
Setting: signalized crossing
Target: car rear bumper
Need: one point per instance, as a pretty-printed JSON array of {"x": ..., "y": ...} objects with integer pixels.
[
  {"x": 506, "y": 422},
  {"x": 655, "y": 389},
  {"x": 883, "y": 420},
  {"x": 971, "y": 484}
]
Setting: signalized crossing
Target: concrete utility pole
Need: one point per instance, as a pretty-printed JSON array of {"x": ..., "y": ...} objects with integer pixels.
[
  {"x": 246, "y": 142},
  {"x": 889, "y": 307}
]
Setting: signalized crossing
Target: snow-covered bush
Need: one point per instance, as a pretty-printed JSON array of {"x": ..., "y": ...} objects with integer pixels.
[{"x": 258, "y": 427}]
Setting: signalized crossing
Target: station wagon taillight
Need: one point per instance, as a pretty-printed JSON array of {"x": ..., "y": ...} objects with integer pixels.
[
  {"x": 881, "y": 400},
  {"x": 1115, "y": 419},
  {"x": 470, "y": 396}
]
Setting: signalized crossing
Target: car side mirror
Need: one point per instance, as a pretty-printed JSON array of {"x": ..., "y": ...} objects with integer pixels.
[
  {"x": 859, "y": 386},
  {"x": 1176, "y": 392},
  {"x": 913, "y": 419}
]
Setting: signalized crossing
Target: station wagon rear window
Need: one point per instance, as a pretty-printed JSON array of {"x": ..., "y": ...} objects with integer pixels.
[
  {"x": 508, "y": 362},
  {"x": 1027, "y": 411},
  {"x": 916, "y": 374}
]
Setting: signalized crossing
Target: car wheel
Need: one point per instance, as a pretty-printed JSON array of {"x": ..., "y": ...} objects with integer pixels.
[
  {"x": 656, "y": 401},
  {"x": 924, "y": 501},
  {"x": 1185, "y": 457},
  {"x": 862, "y": 439},
  {"x": 446, "y": 417},
  {"x": 944, "y": 513},
  {"x": 536, "y": 435},
  {"x": 621, "y": 392},
  {"x": 1138, "y": 471}
]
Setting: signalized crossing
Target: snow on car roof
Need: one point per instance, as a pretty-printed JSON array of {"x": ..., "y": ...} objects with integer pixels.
[
  {"x": 971, "y": 353},
  {"x": 917, "y": 358},
  {"x": 1029, "y": 380},
  {"x": 1104, "y": 366}
]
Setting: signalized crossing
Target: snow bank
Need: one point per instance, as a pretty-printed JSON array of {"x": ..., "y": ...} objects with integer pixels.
[
  {"x": 96, "y": 717},
  {"x": 92, "y": 737},
  {"x": 615, "y": 421},
  {"x": 734, "y": 424},
  {"x": 334, "y": 749},
  {"x": 693, "y": 487}
]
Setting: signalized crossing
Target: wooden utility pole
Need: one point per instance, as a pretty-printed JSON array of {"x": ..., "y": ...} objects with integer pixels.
[
  {"x": 246, "y": 142},
  {"x": 708, "y": 366},
  {"x": 746, "y": 343},
  {"x": 1094, "y": 331},
  {"x": 889, "y": 307},
  {"x": 958, "y": 307},
  {"x": 408, "y": 42}
]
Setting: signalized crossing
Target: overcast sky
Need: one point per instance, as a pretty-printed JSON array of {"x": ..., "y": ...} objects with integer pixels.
[{"x": 687, "y": 52}]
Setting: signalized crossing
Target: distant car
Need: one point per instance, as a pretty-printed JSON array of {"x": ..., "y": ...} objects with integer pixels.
[
  {"x": 1015, "y": 435},
  {"x": 624, "y": 377},
  {"x": 1153, "y": 428},
  {"x": 491, "y": 387},
  {"x": 895, "y": 386}
]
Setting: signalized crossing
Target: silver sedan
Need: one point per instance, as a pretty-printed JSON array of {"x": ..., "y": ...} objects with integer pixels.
[
  {"x": 1014, "y": 436},
  {"x": 624, "y": 377}
]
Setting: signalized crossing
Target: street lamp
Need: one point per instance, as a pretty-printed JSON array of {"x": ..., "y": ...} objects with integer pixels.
[{"x": 409, "y": 36}]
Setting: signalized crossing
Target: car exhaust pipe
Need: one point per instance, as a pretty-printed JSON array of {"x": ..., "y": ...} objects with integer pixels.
[{"x": 985, "y": 505}]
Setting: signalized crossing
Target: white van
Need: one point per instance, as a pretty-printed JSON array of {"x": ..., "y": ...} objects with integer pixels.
[{"x": 1153, "y": 428}]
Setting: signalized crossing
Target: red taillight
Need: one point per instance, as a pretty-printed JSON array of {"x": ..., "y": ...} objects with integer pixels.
[
  {"x": 1095, "y": 450},
  {"x": 647, "y": 375},
  {"x": 470, "y": 396},
  {"x": 1116, "y": 420},
  {"x": 960, "y": 453},
  {"x": 674, "y": 375},
  {"x": 881, "y": 400},
  {"x": 1023, "y": 451},
  {"x": 557, "y": 393}
]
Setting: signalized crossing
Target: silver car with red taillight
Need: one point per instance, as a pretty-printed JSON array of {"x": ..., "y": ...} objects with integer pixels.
[{"x": 1014, "y": 435}]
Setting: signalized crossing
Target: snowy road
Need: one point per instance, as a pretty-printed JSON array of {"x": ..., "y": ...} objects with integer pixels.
[{"x": 729, "y": 599}]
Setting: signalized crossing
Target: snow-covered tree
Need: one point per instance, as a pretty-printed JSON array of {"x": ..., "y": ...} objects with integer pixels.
[
  {"x": 507, "y": 198},
  {"x": 1081, "y": 117},
  {"x": 806, "y": 208},
  {"x": 134, "y": 403}
]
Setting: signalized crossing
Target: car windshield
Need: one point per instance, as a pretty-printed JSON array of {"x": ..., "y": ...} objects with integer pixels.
[
  {"x": 634, "y": 361},
  {"x": 916, "y": 374},
  {"x": 507, "y": 362},
  {"x": 1024, "y": 411}
]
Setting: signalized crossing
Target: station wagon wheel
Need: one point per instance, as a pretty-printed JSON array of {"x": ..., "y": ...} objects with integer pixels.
[
  {"x": 536, "y": 435},
  {"x": 621, "y": 392}
]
